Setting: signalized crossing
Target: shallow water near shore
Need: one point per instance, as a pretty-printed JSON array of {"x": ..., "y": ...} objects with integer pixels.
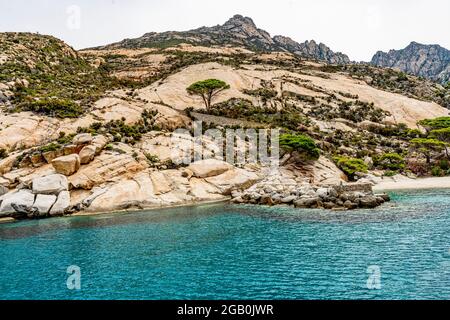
[{"x": 222, "y": 251}]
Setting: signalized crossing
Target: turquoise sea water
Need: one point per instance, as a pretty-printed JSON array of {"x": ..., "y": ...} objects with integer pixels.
[{"x": 235, "y": 252}]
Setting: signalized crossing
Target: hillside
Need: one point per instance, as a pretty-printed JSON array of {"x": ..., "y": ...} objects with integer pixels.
[
  {"x": 238, "y": 31},
  {"x": 42, "y": 74},
  {"x": 100, "y": 123}
]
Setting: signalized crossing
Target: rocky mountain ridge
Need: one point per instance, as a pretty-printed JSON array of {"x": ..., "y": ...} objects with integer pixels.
[
  {"x": 428, "y": 61},
  {"x": 237, "y": 31}
]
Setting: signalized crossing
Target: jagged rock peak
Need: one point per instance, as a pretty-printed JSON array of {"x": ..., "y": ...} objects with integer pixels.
[
  {"x": 428, "y": 61},
  {"x": 237, "y": 31},
  {"x": 238, "y": 19}
]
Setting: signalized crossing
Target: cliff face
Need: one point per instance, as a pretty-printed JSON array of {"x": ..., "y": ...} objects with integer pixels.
[
  {"x": 428, "y": 61},
  {"x": 311, "y": 50},
  {"x": 237, "y": 31}
]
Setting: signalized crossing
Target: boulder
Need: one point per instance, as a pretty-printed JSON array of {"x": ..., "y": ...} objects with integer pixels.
[
  {"x": 21, "y": 198},
  {"x": 52, "y": 184},
  {"x": 37, "y": 159},
  {"x": 384, "y": 196},
  {"x": 369, "y": 202},
  {"x": 71, "y": 149},
  {"x": 329, "y": 205},
  {"x": 61, "y": 204},
  {"x": 67, "y": 165},
  {"x": 233, "y": 179},
  {"x": 82, "y": 139},
  {"x": 3, "y": 190},
  {"x": 161, "y": 183},
  {"x": 267, "y": 200},
  {"x": 202, "y": 190},
  {"x": 87, "y": 154},
  {"x": 209, "y": 168},
  {"x": 350, "y": 205},
  {"x": 307, "y": 202},
  {"x": 288, "y": 199},
  {"x": 7, "y": 164},
  {"x": 43, "y": 203},
  {"x": 49, "y": 156},
  {"x": 99, "y": 142},
  {"x": 322, "y": 192}
]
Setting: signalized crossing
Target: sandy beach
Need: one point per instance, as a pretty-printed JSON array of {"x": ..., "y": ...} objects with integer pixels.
[{"x": 412, "y": 184}]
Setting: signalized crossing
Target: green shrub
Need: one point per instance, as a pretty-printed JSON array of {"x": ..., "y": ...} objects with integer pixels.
[
  {"x": 3, "y": 153},
  {"x": 300, "y": 143},
  {"x": 65, "y": 139},
  {"x": 390, "y": 161},
  {"x": 50, "y": 147},
  {"x": 152, "y": 159},
  {"x": 351, "y": 166},
  {"x": 436, "y": 123},
  {"x": 390, "y": 173},
  {"x": 289, "y": 117},
  {"x": 437, "y": 172},
  {"x": 59, "y": 108},
  {"x": 444, "y": 164},
  {"x": 413, "y": 133}
]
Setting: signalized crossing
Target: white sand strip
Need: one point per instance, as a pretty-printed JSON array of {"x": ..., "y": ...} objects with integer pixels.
[{"x": 405, "y": 184}]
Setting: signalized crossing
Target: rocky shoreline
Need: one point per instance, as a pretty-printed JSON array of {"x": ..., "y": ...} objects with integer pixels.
[
  {"x": 335, "y": 197},
  {"x": 50, "y": 196}
]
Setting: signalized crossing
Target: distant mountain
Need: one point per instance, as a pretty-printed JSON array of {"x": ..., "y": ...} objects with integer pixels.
[
  {"x": 237, "y": 31},
  {"x": 428, "y": 61},
  {"x": 311, "y": 50}
]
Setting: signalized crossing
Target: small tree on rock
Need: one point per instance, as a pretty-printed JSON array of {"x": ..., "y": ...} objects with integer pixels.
[
  {"x": 428, "y": 147},
  {"x": 207, "y": 89},
  {"x": 444, "y": 136}
]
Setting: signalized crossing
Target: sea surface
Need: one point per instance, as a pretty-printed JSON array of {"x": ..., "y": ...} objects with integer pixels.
[{"x": 398, "y": 251}]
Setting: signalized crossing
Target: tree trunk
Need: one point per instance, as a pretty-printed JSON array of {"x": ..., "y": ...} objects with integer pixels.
[{"x": 208, "y": 105}]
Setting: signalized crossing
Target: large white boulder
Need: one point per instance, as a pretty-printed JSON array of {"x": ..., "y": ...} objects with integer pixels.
[
  {"x": 236, "y": 179},
  {"x": 99, "y": 142},
  {"x": 82, "y": 138},
  {"x": 43, "y": 203},
  {"x": 67, "y": 165},
  {"x": 61, "y": 204},
  {"x": 52, "y": 184},
  {"x": 209, "y": 168},
  {"x": 23, "y": 198}
]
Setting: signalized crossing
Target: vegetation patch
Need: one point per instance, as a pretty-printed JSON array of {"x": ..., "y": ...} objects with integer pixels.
[
  {"x": 351, "y": 166},
  {"x": 300, "y": 143}
]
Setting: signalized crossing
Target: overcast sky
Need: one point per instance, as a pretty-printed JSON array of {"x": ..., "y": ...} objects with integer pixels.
[{"x": 356, "y": 27}]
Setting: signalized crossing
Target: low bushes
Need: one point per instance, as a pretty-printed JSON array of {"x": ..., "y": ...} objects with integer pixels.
[
  {"x": 351, "y": 166},
  {"x": 390, "y": 161},
  {"x": 301, "y": 144},
  {"x": 59, "y": 108}
]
